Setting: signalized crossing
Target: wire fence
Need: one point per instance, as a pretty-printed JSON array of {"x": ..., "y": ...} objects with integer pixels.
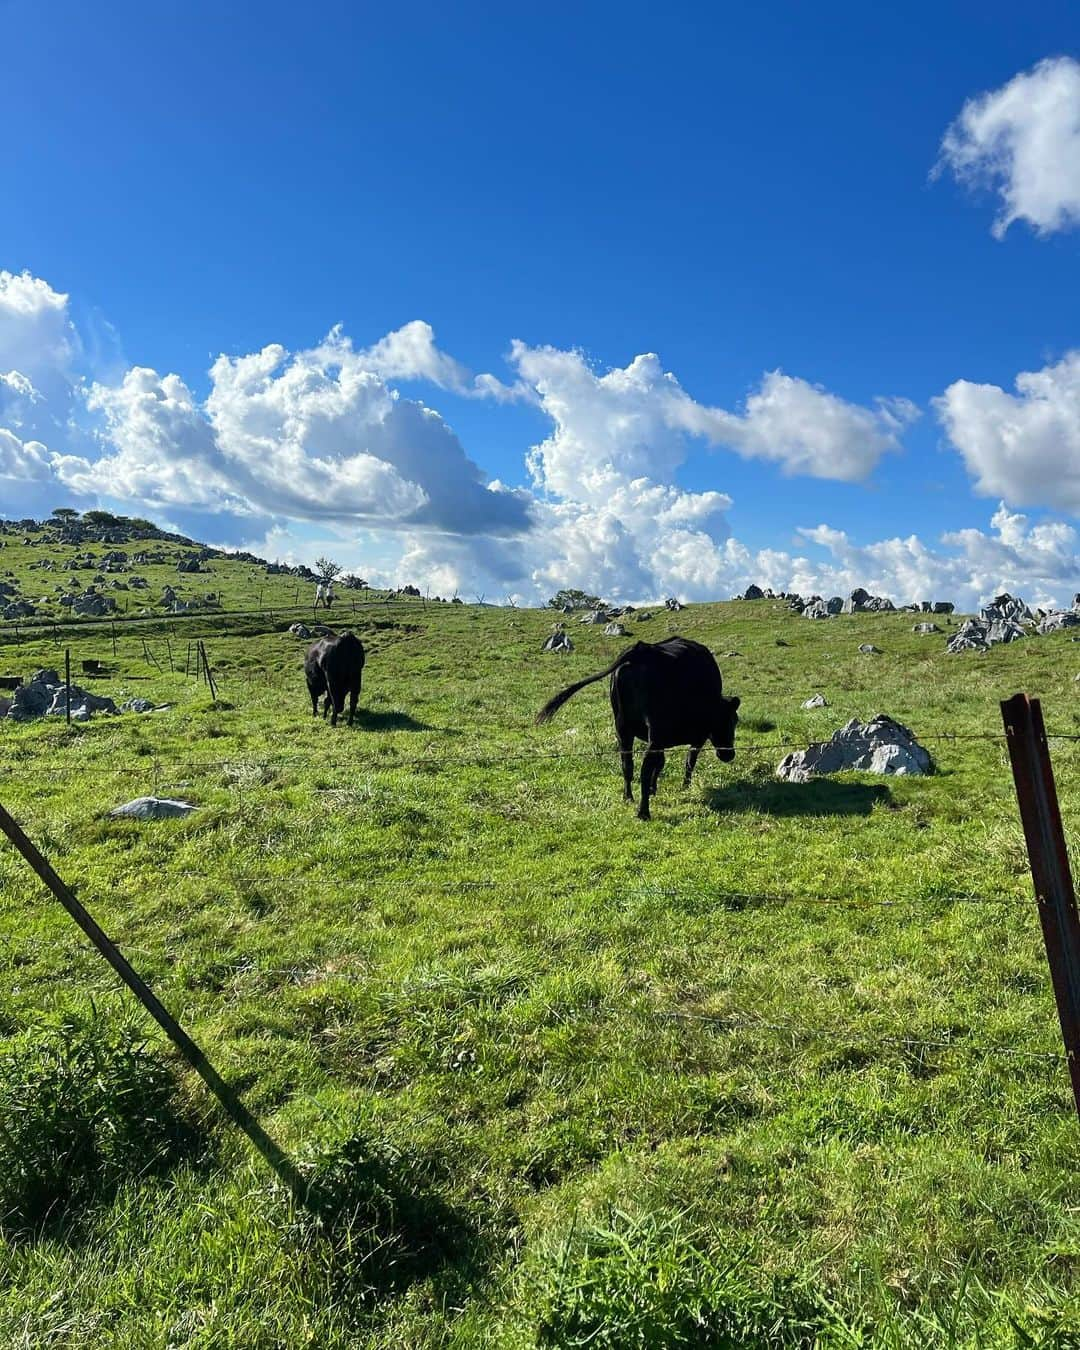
[{"x": 387, "y": 760}]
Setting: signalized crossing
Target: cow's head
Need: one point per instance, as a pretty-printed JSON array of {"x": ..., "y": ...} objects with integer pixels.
[{"x": 723, "y": 736}]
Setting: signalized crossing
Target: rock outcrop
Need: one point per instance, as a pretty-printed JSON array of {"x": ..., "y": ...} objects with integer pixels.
[{"x": 881, "y": 745}]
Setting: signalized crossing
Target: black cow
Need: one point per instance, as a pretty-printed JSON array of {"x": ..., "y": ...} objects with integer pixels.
[
  {"x": 334, "y": 666},
  {"x": 664, "y": 693}
]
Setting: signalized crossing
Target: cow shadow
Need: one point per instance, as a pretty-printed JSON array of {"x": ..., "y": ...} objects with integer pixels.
[
  {"x": 819, "y": 797},
  {"x": 372, "y": 719}
]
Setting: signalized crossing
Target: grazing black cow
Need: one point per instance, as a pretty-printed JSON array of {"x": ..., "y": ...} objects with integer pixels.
[
  {"x": 334, "y": 666},
  {"x": 664, "y": 693}
]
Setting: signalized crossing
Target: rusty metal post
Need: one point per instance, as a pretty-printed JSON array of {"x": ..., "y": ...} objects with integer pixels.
[
  {"x": 234, "y": 1108},
  {"x": 1048, "y": 856}
]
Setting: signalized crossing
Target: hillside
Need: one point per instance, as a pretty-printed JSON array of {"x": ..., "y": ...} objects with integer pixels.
[{"x": 780, "y": 1067}]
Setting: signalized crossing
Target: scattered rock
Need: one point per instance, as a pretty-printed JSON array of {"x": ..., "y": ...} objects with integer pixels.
[
  {"x": 817, "y": 609},
  {"x": 817, "y": 701},
  {"x": 673, "y": 604},
  {"x": 1056, "y": 620},
  {"x": 868, "y": 649},
  {"x": 557, "y": 641},
  {"x": 881, "y": 745},
  {"x": 300, "y": 630},
  {"x": 926, "y": 628},
  {"x": 642, "y": 616},
  {"x": 596, "y": 616},
  {"x": 137, "y": 705},
  {"x": 615, "y": 630},
  {"x": 45, "y": 695},
  {"x": 753, "y": 593},
  {"x": 153, "y": 808}
]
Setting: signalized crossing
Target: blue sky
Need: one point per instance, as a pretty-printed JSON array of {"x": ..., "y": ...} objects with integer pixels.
[{"x": 738, "y": 189}]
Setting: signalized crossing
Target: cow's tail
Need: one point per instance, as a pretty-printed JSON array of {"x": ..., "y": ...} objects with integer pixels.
[{"x": 548, "y": 711}]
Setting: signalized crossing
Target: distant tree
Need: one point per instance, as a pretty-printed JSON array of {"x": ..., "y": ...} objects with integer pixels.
[
  {"x": 65, "y": 513},
  {"x": 326, "y": 570},
  {"x": 576, "y": 599},
  {"x": 105, "y": 518}
]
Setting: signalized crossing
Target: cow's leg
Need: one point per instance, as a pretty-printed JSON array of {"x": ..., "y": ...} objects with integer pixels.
[
  {"x": 354, "y": 694},
  {"x": 626, "y": 754},
  {"x": 648, "y": 779},
  {"x": 691, "y": 760},
  {"x": 658, "y": 769},
  {"x": 313, "y": 690}
]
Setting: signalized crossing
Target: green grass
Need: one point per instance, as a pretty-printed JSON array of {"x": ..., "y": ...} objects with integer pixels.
[{"x": 569, "y": 1081}]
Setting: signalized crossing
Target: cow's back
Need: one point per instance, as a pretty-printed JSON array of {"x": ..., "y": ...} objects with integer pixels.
[{"x": 667, "y": 690}]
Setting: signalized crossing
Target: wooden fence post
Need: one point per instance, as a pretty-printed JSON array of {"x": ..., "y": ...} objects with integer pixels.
[
  {"x": 282, "y": 1165},
  {"x": 1048, "y": 856}
]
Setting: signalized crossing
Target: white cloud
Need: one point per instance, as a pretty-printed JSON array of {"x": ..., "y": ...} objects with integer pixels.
[
  {"x": 1023, "y": 140},
  {"x": 635, "y": 422},
  {"x": 26, "y": 461},
  {"x": 310, "y": 435},
  {"x": 1025, "y": 446},
  {"x": 1038, "y": 561}
]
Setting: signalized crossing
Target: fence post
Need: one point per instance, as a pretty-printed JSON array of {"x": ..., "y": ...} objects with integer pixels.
[
  {"x": 1048, "y": 856},
  {"x": 281, "y": 1164},
  {"x": 67, "y": 684}
]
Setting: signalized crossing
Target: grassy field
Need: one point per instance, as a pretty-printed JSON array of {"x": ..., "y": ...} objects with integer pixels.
[{"x": 780, "y": 1067}]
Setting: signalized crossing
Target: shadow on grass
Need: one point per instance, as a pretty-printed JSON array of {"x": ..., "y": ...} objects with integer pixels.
[
  {"x": 368, "y": 719},
  {"x": 378, "y": 1220},
  {"x": 819, "y": 797}
]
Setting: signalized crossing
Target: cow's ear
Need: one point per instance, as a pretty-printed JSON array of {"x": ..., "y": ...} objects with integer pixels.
[{"x": 735, "y": 703}]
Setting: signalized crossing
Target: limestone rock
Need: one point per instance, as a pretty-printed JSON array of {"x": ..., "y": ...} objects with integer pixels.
[
  {"x": 153, "y": 808},
  {"x": 881, "y": 745}
]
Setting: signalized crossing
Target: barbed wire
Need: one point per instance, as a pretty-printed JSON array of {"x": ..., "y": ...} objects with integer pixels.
[{"x": 494, "y": 757}]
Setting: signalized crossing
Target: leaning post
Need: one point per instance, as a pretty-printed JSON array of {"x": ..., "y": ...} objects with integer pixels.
[
  {"x": 1048, "y": 856},
  {"x": 283, "y": 1167}
]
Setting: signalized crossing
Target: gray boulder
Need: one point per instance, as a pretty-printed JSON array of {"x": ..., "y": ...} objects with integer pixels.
[
  {"x": 868, "y": 649},
  {"x": 153, "y": 808},
  {"x": 300, "y": 630},
  {"x": 881, "y": 745},
  {"x": 943, "y": 607},
  {"x": 817, "y": 609},
  {"x": 926, "y": 628},
  {"x": 557, "y": 641},
  {"x": 817, "y": 701},
  {"x": 615, "y": 630},
  {"x": 753, "y": 593},
  {"x": 1056, "y": 620}
]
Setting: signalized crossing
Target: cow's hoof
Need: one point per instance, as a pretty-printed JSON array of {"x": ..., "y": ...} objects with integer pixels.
[{"x": 643, "y": 815}]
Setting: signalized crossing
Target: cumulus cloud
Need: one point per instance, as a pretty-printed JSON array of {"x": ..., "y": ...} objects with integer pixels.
[
  {"x": 635, "y": 421},
  {"x": 1039, "y": 561},
  {"x": 27, "y": 461},
  {"x": 1023, "y": 141},
  {"x": 310, "y": 435},
  {"x": 1025, "y": 446}
]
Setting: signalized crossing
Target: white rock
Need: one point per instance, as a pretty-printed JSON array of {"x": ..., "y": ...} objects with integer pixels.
[{"x": 153, "y": 808}]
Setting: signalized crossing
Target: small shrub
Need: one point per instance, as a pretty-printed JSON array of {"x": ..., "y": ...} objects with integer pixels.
[{"x": 81, "y": 1111}]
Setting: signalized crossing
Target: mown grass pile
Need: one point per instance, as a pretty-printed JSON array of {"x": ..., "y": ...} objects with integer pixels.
[{"x": 781, "y": 1067}]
